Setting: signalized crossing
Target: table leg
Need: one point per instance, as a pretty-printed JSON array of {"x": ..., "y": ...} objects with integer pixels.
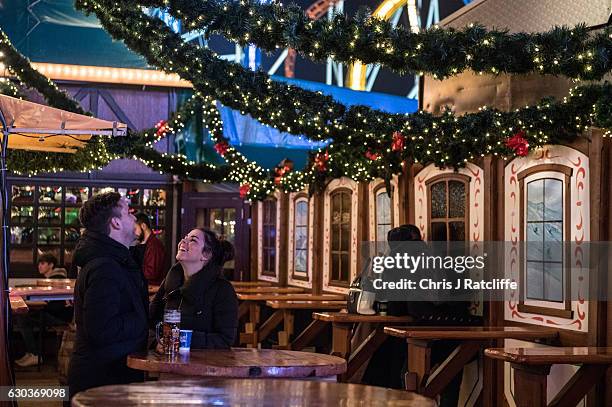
[
  {"x": 419, "y": 364},
  {"x": 341, "y": 339},
  {"x": 530, "y": 385}
]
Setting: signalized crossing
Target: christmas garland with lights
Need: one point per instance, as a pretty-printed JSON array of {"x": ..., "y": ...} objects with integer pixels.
[
  {"x": 571, "y": 52},
  {"x": 297, "y": 111},
  {"x": 378, "y": 148}
]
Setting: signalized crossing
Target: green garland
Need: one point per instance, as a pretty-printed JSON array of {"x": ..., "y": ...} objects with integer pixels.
[
  {"x": 292, "y": 109},
  {"x": 446, "y": 140},
  {"x": 440, "y": 52}
]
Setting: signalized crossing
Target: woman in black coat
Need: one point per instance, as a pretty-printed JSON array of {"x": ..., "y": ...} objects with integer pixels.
[{"x": 196, "y": 286}]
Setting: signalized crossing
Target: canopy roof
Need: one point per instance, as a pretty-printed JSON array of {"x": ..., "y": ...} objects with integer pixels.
[{"x": 33, "y": 126}]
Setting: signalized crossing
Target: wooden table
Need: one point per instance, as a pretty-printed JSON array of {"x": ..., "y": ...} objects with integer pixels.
[
  {"x": 251, "y": 306},
  {"x": 251, "y": 284},
  {"x": 241, "y": 363},
  {"x": 266, "y": 290},
  {"x": 420, "y": 376},
  {"x": 343, "y": 326},
  {"x": 532, "y": 366},
  {"x": 35, "y": 293},
  {"x": 18, "y": 305},
  {"x": 56, "y": 282},
  {"x": 247, "y": 392}
]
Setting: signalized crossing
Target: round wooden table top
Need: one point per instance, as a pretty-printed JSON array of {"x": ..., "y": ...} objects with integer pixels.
[
  {"x": 240, "y": 362},
  {"x": 247, "y": 392}
]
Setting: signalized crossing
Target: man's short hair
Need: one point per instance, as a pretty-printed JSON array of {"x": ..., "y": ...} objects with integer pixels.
[
  {"x": 143, "y": 218},
  {"x": 404, "y": 233},
  {"x": 96, "y": 213},
  {"x": 47, "y": 258}
]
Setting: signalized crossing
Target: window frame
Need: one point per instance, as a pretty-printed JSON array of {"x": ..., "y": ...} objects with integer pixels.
[
  {"x": 264, "y": 272},
  {"x": 381, "y": 189},
  {"x": 331, "y": 280},
  {"x": 447, "y": 220},
  {"x": 64, "y": 246},
  {"x": 304, "y": 276},
  {"x": 539, "y": 172}
]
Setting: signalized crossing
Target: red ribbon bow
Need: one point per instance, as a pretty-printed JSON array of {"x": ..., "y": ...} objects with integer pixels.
[
  {"x": 398, "y": 141},
  {"x": 519, "y": 144},
  {"x": 221, "y": 148},
  {"x": 244, "y": 190}
]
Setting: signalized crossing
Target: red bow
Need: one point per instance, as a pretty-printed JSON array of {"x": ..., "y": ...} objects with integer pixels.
[
  {"x": 321, "y": 161},
  {"x": 162, "y": 128},
  {"x": 280, "y": 171},
  {"x": 398, "y": 141},
  {"x": 519, "y": 144},
  {"x": 221, "y": 148},
  {"x": 244, "y": 190},
  {"x": 372, "y": 156}
]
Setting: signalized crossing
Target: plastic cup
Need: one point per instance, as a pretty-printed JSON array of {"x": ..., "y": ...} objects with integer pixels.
[{"x": 185, "y": 340}]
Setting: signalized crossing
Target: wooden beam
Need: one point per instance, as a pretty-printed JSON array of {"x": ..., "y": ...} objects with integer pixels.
[
  {"x": 364, "y": 352},
  {"x": 269, "y": 324},
  {"x": 451, "y": 367},
  {"x": 308, "y": 335},
  {"x": 579, "y": 385}
]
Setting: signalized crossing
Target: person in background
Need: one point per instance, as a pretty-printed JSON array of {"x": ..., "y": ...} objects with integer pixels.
[
  {"x": 388, "y": 364},
  {"x": 110, "y": 297},
  {"x": 54, "y": 313},
  {"x": 151, "y": 250},
  {"x": 196, "y": 287}
]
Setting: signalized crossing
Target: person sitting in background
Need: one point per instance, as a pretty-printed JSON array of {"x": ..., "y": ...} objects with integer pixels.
[
  {"x": 153, "y": 257},
  {"x": 54, "y": 313},
  {"x": 196, "y": 286},
  {"x": 388, "y": 364}
]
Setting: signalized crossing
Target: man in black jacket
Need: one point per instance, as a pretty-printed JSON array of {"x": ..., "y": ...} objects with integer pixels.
[{"x": 110, "y": 297}]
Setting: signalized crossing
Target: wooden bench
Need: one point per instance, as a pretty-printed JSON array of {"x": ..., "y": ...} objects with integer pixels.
[
  {"x": 422, "y": 378},
  {"x": 343, "y": 326},
  {"x": 532, "y": 366},
  {"x": 251, "y": 306}
]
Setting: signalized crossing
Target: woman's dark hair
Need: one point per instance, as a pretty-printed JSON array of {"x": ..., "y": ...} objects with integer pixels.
[
  {"x": 221, "y": 250},
  {"x": 404, "y": 233}
]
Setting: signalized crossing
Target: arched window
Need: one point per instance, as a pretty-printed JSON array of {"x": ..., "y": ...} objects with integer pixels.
[
  {"x": 384, "y": 220},
  {"x": 448, "y": 208},
  {"x": 544, "y": 234},
  {"x": 340, "y": 227},
  {"x": 300, "y": 238},
  {"x": 269, "y": 237},
  {"x": 545, "y": 213}
]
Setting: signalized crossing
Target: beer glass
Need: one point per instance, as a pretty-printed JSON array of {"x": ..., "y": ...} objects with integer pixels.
[{"x": 170, "y": 331}]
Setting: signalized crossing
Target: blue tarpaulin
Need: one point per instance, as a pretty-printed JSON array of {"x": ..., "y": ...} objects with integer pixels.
[{"x": 256, "y": 140}]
